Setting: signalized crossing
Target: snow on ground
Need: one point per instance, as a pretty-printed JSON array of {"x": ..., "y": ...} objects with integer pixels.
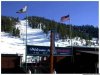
[
  {"x": 15, "y": 45},
  {"x": 11, "y": 45}
]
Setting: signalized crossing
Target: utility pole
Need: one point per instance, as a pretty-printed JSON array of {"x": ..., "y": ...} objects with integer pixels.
[{"x": 52, "y": 48}]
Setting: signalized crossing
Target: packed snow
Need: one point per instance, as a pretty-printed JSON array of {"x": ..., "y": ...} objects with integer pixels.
[{"x": 15, "y": 45}]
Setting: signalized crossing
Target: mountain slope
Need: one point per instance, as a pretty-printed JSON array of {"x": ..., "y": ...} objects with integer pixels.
[{"x": 15, "y": 45}]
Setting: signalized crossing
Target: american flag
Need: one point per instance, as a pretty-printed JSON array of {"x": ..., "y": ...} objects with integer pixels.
[{"x": 65, "y": 18}]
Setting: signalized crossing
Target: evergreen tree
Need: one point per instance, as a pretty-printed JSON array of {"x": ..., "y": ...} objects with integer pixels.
[
  {"x": 8, "y": 25},
  {"x": 84, "y": 31},
  {"x": 17, "y": 32}
]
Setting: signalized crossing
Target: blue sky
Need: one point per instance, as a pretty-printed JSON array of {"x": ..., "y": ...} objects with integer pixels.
[{"x": 81, "y": 12}]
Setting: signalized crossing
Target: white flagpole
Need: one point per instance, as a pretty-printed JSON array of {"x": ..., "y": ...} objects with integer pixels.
[
  {"x": 26, "y": 41},
  {"x": 23, "y": 10}
]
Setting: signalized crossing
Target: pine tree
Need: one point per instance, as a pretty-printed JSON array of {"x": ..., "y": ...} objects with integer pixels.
[
  {"x": 8, "y": 25},
  {"x": 64, "y": 30},
  {"x": 17, "y": 32}
]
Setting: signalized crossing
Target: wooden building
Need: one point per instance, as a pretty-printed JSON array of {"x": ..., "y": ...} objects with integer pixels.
[{"x": 11, "y": 63}]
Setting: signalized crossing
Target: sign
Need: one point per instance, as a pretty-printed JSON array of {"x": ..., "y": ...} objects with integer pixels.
[
  {"x": 37, "y": 50},
  {"x": 45, "y": 51},
  {"x": 63, "y": 51}
]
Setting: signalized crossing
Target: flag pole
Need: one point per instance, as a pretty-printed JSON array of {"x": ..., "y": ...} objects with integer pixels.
[
  {"x": 71, "y": 39},
  {"x": 26, "y": 42},
  {"x": 70, "y": 33},
  {"x": 23, "y": 10}
]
